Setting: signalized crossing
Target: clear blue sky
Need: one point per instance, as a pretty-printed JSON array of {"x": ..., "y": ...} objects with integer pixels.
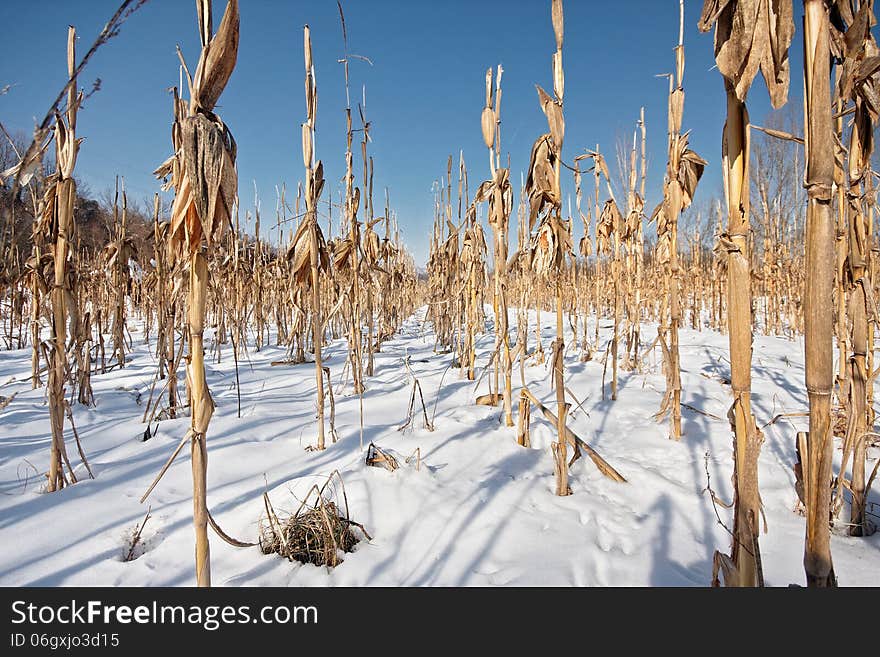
[{"x": 424, "y": 90}]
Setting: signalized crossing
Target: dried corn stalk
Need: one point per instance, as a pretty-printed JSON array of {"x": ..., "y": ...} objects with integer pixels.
[
  {"x": 56, "y": 227},
  {"x": 610, "y": 226},
  {"x": 683, "y": 171},
  {"x": 116, "y": 258},
  {"x": 310, "y": 250},
  {"x": 346, "y": 254},
  {"x": 749, "y": 35},
  {"x": 205, "y": 183},
  {"x": 499, "y": 195},
  {"x": 552, "y": 241},
  {"x": 818, "y": 308},
  {"x": 473, "y": 259}
]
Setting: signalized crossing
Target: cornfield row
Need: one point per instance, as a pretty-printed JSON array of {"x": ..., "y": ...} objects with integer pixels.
[
  {"x": 201, "y": 271},
  {"x": 198, "y": 270},
  {"x": 787, "y": 282}
]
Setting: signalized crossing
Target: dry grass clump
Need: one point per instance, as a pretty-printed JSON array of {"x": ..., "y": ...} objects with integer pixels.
[{"x": 317, "y": 533}]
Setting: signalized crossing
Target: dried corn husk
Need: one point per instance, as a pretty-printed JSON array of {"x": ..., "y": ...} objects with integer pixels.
[
  {"x": 371, "y": 249},
  {"x": 341, "y": 250},
  {"x": 299, "y": 253},
  {"x": 751, "y": 35},
  {"x": 541, "y": 186},
  {"x": 609, "y": 221},
  {"x": 690, "y": 170},
  {"x": 216, "y": 61},
  {"x": 553, "y": 111},
  {"x": 500, "y": 196},
  {"x": 550, "y": 245},
  {"x": 202, "y": 169}
]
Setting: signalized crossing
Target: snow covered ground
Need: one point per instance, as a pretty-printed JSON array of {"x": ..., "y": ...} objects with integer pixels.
[{"x": 480, "y": 510}]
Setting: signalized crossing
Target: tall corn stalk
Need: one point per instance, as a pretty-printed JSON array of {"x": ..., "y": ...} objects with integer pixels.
[
  {"x": 498, "y": 193},
  {"x": 609, "y": 226},
  {"x": 640, "y": 241},
  {"x": 632, "y": 230},
  {"x": 553, "y": 239},
  {"x": 632, "y": 240},
  {"x": 309, "y": 249},
  {"x": 352, "y": 244},
  {"x": 817, "y": 446},
  {"x": 118, "y": 254},
  {"x": 683, "y": 171},
  {"x": 473, "y": 256},
  {"x": 371, "y": 239},
  {"x": 585, "y": 248},
  {"x": 749, "y": 35},
  {"x": 57, "y": 225},
  {"x": 205, "y": 182}
]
